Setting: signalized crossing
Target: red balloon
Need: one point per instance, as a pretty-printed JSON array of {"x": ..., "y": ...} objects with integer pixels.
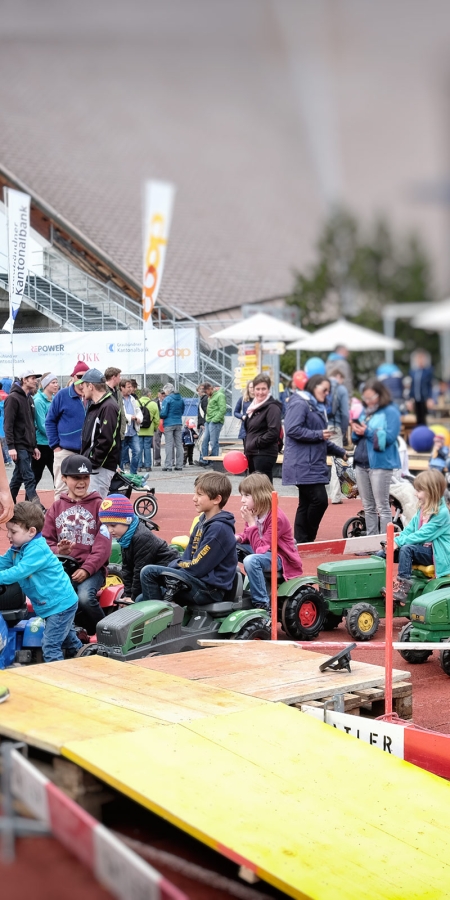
[
  {"x": 235, "y": 462},
  {"x": 299, "y": 379}
]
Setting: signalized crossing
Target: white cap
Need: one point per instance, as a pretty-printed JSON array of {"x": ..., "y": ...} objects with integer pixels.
[{"x": 28, "y": 373}]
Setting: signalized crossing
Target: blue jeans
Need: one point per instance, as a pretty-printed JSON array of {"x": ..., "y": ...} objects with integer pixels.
[
  {"x": 199, "y": 593},
  {"x": 255, "y": 565},
  {"x": 145, "y": 456},
  {"x": 23, "y": 472},
  {"x": 60, "y": 634},
  {"x": 413, "y": 553},
  {"x": 130, "y": 442},
  {"x": 88, "y": 605},
  {"x": 212, "y": 432}
]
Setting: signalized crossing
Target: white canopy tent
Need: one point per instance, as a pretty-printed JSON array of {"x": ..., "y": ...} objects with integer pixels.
[
  {"x": 355, "y": 337},
  {"x": 260, "y": 327},
  {"x": 436, "y": 317}
]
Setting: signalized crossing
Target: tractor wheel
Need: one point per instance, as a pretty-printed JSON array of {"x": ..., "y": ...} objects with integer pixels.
[
  {"x": 258, "y": 630},
  {"x": 444, "y": 660},
  {"x": 332, "y": 620},
  {"x": 146, "y": 507},
  {"x": 354, "y": 527},
  {"x": 413, "y": 656},
  {"x": 114, "y": 569},
  {"x": 362, "y": 621},
  {"x": 303, "y": 615},
  {"x": 87, "y": 650}
]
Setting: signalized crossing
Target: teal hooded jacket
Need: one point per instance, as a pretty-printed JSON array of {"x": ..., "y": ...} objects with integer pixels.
[
  {"x": 436, "y": 532},
  {"x": 40, "y": 575}
]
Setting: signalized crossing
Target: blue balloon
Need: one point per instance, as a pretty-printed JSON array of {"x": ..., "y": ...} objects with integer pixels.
[
  {"x": 315, "y": 366},
  {"x": 421, "y": 439}
]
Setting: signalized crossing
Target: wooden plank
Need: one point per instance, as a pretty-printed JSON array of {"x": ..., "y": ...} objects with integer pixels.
[
  {"x": 228, "y": 660},
  {"x": 281, "y": 793}
]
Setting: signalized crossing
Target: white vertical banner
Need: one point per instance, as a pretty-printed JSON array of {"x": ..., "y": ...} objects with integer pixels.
[
  {"x": 158, "y": 204},
  {"x": 18, "y": 236}
]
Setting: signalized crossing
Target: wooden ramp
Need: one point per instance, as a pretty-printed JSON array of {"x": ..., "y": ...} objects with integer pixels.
[{"x": 312, "y": 811}]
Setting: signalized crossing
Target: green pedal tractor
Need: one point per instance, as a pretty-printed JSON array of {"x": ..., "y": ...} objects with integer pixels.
[{"x": 430, "y": 623}]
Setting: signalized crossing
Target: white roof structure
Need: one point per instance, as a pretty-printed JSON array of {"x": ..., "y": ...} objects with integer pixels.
[
  {"x": 355, "y": 337},
  {"x": 435, "y": 318},
  {"x": 260, "y": 327}
]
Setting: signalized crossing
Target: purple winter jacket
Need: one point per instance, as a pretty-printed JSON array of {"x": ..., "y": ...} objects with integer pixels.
[{"x": 305, "y": 451}]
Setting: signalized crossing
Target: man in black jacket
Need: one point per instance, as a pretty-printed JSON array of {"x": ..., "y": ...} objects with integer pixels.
[
  {"x": 20, "y": 434},
  {"x": 100, "y": 439}
]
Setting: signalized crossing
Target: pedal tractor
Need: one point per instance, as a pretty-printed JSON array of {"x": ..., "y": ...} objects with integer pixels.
[
  {"x": 355, "y": 591},
  {"x": 154, "y": 627},
  {"x": 430, "y": 622}
]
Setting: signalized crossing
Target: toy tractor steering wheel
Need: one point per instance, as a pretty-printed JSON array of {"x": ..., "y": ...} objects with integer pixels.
[{"x": 340, "y": 661}]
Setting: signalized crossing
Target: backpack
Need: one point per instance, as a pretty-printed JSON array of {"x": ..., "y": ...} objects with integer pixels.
[
  {"x": 146, "y": 420},
  {"x": 332, "y": 401}
]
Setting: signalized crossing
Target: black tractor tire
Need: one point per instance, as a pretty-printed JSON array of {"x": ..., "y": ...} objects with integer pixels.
[
  {"x": 354, "y": 527},
  {"x": 146, "y": 507},
  {"x": 414, "y": 657},
  {"x": 303, "y": 615},
  {"x": 332, "y": 620},
  {"x": 257, "y": 630},
  {"x": 444, "y": 660},
  {"x": 362, "y": 621},
  {"x": 114, "y": 569},
  {"x": 87, "y": 650}
]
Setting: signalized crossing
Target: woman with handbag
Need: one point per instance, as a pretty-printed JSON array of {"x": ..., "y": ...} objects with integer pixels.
[
  {"x": 242, "y": 406},
  {"x": 376, "y": 454}
]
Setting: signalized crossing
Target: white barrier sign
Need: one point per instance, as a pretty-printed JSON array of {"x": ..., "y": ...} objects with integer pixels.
[
  {"x": 384, "y": 735},
  {"x": 168, "y": 351}
]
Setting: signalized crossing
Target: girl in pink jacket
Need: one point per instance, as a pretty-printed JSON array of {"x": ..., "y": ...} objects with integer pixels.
[{"x": 256, "y": 493}]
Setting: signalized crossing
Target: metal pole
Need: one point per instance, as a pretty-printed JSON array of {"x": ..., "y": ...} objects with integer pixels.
[
  {"x": 274, "y": 568},
  {"x": 389, "y": 618}
]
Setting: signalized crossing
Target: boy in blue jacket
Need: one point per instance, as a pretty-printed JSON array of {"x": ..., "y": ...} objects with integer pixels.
[
  {"x": 31, "y": 563},
  {"x": 209, "y": 563}
]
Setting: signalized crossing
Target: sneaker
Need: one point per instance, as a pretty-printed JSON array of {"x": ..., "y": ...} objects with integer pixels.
[
  {"x": 178, "y": 468},
  {"x": 401, "y": 589},
  {"x": 4, "y": 694},
  {"x": 167, "y": 470}
]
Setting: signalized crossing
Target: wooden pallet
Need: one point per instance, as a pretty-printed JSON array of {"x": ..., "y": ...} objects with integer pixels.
[{"x": 370, "y": 702}]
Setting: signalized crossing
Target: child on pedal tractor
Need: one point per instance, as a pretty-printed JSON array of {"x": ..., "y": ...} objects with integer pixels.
[
  {"x": 256, "y": 493},
  {"x": 72, "y": 529},
  {"x": 426, "y": 539},
  {"x": 139, "y": 543},
  {"x": 31, "y": 563},
  {"x": 209, "y": 563}
]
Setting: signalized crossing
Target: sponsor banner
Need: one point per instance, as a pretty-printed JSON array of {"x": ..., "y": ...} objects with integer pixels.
[
  {"x": 18, "y": 236},
  {"x": 384, "y": 735},
  {"x": 158, "y": 205},
  {"x": 167, "y": 351}
]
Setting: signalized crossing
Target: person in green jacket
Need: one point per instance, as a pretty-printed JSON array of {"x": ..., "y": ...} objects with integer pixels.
[
  {"x": 42, "y": 400},
  {"x": 426, "y": 539},
  {"x": 146, "y": 433},
  {"x": 215, "y": 417}
]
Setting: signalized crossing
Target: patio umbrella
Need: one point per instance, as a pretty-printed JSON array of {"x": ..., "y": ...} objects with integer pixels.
[
  {"x": 260, "y": 327},
  {"x": 435, "y": 318},
  {"x": 355, "y": 337}
]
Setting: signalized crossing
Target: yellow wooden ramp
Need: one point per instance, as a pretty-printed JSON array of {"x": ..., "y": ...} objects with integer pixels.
[{"x": 314, "y": 812}]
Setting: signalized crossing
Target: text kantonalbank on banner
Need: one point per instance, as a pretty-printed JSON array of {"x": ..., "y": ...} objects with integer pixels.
[
  {"x": 18, "y": 234},
  {"x": 167, "y": 351}
]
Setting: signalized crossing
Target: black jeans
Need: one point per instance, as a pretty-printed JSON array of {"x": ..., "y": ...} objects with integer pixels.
[
  {"x": 313, "y": 502},
  {"x": 198, "y": 594},
  {"x": 420, "y": 409},
  {"x": 23, "y": 472},
  {"x": 262, "y": 462},
  {"x": 46, "y": 459}
]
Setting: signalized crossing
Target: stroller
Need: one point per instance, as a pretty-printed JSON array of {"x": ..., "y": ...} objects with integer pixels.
[
  {"x": 401, "y": 499},
  {"x": 146, "y": 506}
]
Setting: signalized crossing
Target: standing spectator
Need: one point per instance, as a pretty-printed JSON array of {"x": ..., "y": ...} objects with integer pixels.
[
  {"x": 262, "y": 423},
  {"x": 307, "y": 442},
  {"x": 42, "y": 400},
  {"x": 189, "y": 437},
  {"x": 112, "y": 378},
  {"x": 100, "y": 440},
  {"x": 215, "y": 417},
  {"x": 64, "y": 424},
  {"x": 421, "y": 374},
  {"x": 21, "y": 434},
  {"x": 201, "y": 414},
  {"x": 337, "y": 407},
  {"x": 339, "y": 360},
  {"x": 158, "y": 433},
  {"x": 150, "y": 422},
  {"x": 242, "y": 406},
  {"x": 6, "y": 457},
  {"x": 133, "y": 415},
  {"x": 376, "y": 454},
  {"x": 135, "y": 391},
  {"x": 171, "y": 413}
]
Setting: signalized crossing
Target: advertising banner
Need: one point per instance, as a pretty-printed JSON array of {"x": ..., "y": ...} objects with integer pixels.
[
  {"x": 158, "y": 205},
  {"x": 18, "y": 235},
  {"x": 168, "y": 351}
]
